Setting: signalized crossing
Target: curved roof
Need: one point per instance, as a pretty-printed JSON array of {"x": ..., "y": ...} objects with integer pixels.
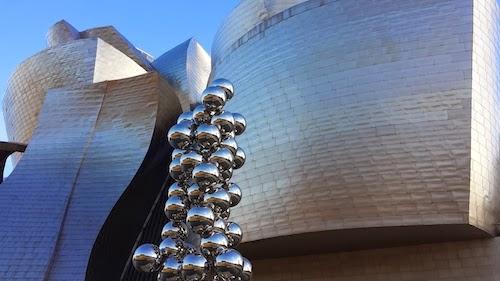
[{"x": 247, "y": 15}]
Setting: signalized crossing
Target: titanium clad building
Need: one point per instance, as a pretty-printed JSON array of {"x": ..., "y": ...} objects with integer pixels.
[{"x": 372, "y": 143}]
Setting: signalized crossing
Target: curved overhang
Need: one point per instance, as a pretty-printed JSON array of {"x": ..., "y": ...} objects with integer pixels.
[{"x": 340, "y": 139}]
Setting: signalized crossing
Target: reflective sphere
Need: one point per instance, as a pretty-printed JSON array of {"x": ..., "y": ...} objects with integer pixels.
[
  {"x": 219, "y": 199},
  {"x": 239, "y": 158},
  {"x": 194, "y": 267},
  {"x": 229, "y": 264},
  {"x": 175, "y": 170},
  {"x": 200, "y": 115},
  {"x": 214, "y": 98},
  {"x": 205, "y": 175},
  {"x": 226, "y": 85},
  {"x": 171, "y": 270},
  {"x": 176, "y": 189},
  {"x": 219, "y": 226},
  {"x": 240, "y": 123},
  {"x": 223, "y": 158},
  {"x": 214, "y": 243},
  {"x": 225, "y": 175},
  {"x": 170, "y": 247},
  {"x": 147, "y": 258},
  {"x": 190, "y": 160},
  {"x": 175, "y": 230},
  {"x": 195, "y": 193},
  {"x": 175, "y": 208},
  {"x": 207, "y": 136},
  {"x": 185, "y": 116},
  {"x": 230, "y": 144},
  {"x": 234, "y": 194},
  {"x": 177, "y": 153},
  {"x": 247, "y": 270},
  {"x": 234, "y": 234},
  {"x": 179, "y": 136},
  {"x": 200, "y": 219},
  {"x": 225, "y": 122}
]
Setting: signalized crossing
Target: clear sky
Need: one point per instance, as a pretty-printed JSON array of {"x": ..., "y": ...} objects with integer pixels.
[{"x": 153, "y": 26}]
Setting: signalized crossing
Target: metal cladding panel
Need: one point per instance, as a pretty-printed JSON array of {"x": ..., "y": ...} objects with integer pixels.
[
  {"x": 60, "y": 33},
  {"x": 359, "y": 116},
  {"x": 75, "y": 64},
  {"x": 115, "y": 38},
  {"x": 34, "y": 198},
  {"x": 247, "y": 15},
  {"x": 485, "y": 127},
  {"x": 120, "y": 140},
  {"x": 65, "y": 65},
  {"x": 187, "y": 68}
]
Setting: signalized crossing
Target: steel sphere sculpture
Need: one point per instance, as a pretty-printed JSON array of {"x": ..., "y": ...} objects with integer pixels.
[{"x": 198, "y": 240}]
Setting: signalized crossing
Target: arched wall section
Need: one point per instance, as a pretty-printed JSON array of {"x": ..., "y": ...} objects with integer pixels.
[{"x": 358, "y": 117}]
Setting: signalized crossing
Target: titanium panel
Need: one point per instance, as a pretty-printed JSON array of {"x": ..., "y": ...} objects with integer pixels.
[
  {"x": 187, "y": 68},
  {"x": 358, "y": 112},
  {"x": 75, "y": 64},
  {"x": 485, "y": 120},
  {"x": 115, "y": 151},
  {"x": 35, "y": 196}
]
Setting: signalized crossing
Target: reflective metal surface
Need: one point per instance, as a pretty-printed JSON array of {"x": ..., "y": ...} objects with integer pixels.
[
  {"x": 175, "y": 230},
  {"x": 228, "y": 264},
  {"x": 358, "y": 130},
  {"x": 203, "y": 189},
  {"x": 147, "y": 258},
  {"x": 187, "y": 68}
]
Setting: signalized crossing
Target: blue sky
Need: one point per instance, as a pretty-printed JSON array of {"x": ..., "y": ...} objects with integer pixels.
[{"x": 154, "y": 26}]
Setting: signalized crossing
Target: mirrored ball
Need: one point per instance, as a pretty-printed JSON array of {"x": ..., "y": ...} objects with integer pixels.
[
  {"x": 175, "y": 170},
  {"x": 225, "y": 122},
  {"x": 247, "y": 270},
  {"x": 240, "y": 124},
  {"x": 189, "y": 160},
  {"x": 200, "y": 115},
  {"x": 229, "y": 264},
  {"x": 200, "y": 219},
  {"x": 174, "y": 230},
  {"x": 175, "y": 208},
  {"x": 234, "y": 193},
  {"x": 226, "y": 85},
  {"x": 205, "y": 175},
  {"x": 207, "y": 136},
  {"x": 171, "y": 270},
  {"x": 214, "y": 98},
  {"x": 179, "y": 136},
  {"x": 223, "y": 158},
  {"x": 170, "y": 247},
  {"x": 176, "y": 189},
  {"x": 234, "y": 234},
  {"x": 219, "y": 199},
  {"x": 194, "y": 267},
  {"x": 147, "y": 258},
  {"x": 230, "y": 144},
  {"x": 239, "y": 158},
  {"x": 185, "y": 116},
  {"x": 214, "y": 243}
]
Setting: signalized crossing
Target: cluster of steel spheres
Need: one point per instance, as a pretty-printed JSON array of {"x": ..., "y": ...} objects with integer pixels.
[{"x": 198, "y": 239}]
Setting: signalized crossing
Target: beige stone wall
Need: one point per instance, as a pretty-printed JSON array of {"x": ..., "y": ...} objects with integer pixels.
[{"x": 476, "y": 260}]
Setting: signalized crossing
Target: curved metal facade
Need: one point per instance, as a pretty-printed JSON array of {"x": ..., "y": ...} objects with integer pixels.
[
  {"x": 186, "y": 67},
  {"x": 358, "y": 118},
  {"x": 74, "y": 64}
]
